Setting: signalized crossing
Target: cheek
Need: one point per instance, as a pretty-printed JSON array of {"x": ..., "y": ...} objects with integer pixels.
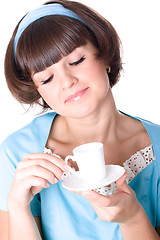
[
  {"x": 101, "y": 82},
  {"x": 99, "y": 75},
  {"x": 42, "y": 93},
  {"x": 98, "y": 69},
  {"x": 48, "y": 95}
]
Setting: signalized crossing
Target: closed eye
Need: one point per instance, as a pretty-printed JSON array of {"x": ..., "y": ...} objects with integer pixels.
[
  {"x": 77, "y": 62},
  {"x": 48, "y": 80}
]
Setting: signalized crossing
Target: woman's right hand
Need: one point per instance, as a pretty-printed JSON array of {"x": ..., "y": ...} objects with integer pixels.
[{"x": 33, "y": 173}]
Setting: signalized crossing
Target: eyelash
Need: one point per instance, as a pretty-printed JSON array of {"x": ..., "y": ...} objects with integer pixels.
[
  {"x": 77, "y": 62},
  {"x": 48, "y": 80},
  {"x": 71, "y": 64}
]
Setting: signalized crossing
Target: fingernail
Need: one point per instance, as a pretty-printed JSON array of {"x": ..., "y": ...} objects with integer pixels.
[{"x": 47, "y": 185}]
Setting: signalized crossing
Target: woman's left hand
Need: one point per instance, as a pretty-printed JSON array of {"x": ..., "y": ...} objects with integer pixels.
[{"x": 121, "y": 207}]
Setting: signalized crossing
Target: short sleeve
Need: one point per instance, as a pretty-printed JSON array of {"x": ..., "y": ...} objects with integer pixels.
[
  {"x": 7, "y": 170},
  {"x": 29, "y": 139},
  {"x": 8, "y": 163}
]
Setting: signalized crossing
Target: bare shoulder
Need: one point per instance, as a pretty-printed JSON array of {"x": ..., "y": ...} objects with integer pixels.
[{"x": 3, "y": 225}]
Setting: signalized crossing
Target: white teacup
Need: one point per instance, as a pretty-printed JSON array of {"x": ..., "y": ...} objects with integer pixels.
[{"x": 90, "y": 161}]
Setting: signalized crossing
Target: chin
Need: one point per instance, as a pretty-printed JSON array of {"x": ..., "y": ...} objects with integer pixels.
[{"x": 81, "y": 112}]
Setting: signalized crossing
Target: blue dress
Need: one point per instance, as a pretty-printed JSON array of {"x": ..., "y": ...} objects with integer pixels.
[{"x": 67, "y": 215}]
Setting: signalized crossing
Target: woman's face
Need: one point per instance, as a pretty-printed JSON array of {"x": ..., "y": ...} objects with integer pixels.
[{"x": 75, "y": 86}]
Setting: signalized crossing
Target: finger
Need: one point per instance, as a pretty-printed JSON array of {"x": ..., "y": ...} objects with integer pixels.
[
  {"x": 49, "y": 157},
  {"x": 94, "y": 197},
  {"x": 122, "y": 179},
  {"x": 34, "y": 190},
  {"x": 101, "y": 201},
  {"x": 32, "y": 181},
  {"x": 36, "y": 171},
  {"x": 110, "y": 200},
  {"x": 122, "y": 186},
  {"x": 58, "y": 173}
]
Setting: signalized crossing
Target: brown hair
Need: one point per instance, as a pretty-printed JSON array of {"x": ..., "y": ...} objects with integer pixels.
[{"x": 39, "y": 47}]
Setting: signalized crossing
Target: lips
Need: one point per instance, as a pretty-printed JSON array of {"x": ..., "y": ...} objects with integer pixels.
[{"x": 76, "y": 96}]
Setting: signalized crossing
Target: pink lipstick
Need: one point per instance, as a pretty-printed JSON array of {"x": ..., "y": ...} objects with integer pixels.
[{"x": 76, "y": 96}]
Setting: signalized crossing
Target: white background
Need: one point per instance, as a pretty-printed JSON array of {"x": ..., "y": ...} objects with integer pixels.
[{"x": 138, "y": 25}]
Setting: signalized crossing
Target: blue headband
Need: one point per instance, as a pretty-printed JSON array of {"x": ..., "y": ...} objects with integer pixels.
[{"x": 44, "y": 10}]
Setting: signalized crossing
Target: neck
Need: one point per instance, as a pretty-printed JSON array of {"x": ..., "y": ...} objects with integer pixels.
[{"x": 99, "y": 126}]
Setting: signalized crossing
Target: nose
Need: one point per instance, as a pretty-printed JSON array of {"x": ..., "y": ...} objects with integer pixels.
[{"x": 67, "y": 79}]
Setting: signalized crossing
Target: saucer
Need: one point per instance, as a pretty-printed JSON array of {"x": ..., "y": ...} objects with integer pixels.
[{"x": 75, "y": 183}]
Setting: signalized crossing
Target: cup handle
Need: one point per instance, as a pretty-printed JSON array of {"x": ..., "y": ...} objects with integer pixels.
[{"x": 71, "y": 170}]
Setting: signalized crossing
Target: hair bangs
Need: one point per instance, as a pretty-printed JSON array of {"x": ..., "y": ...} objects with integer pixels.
[{"x": 49, "y": 39}]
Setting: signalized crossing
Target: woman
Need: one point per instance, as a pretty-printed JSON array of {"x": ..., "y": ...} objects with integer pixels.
[{"x": 66, "y": 57}]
